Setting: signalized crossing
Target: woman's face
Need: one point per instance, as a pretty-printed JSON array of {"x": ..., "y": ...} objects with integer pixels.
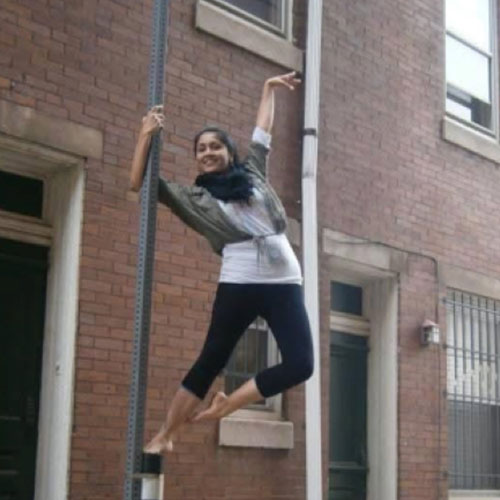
[{"x": 211, "y": 154}]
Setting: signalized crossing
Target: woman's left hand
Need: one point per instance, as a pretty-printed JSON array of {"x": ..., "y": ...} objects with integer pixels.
[{"x": 289, "y": 80}]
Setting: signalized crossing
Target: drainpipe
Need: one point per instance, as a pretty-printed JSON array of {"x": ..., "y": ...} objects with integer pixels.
[{"x": 314, "y": 483}]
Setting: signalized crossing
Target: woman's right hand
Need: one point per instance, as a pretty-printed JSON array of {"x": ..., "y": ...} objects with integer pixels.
[{"x": 154, "y": 121}]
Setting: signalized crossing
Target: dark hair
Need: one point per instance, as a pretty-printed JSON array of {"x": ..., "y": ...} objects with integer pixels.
[
  {"x": 234, "y": 184},
  {"x": 223, "y": 137}
]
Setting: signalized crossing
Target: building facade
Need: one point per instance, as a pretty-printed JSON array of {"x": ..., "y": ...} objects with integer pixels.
[{"x": 407, "y": 177}]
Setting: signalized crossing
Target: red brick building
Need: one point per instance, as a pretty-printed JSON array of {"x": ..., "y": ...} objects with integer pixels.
[{"x": 407, "y": 177}]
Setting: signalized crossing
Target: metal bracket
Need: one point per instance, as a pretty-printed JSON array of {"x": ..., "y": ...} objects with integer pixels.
[{"x": 310, "y": 131}]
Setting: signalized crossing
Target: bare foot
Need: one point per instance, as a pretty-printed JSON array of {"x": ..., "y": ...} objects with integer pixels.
[
  {"x": 215, "y": 410},
  {"x": 160, "y": 443}
]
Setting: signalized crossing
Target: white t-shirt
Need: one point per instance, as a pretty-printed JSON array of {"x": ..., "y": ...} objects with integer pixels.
[{"x": 269, "y": 257}]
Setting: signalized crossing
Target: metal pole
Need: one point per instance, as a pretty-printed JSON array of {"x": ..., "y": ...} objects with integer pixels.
[
  {"x": 151, "y": 477},
  {"x": 149, "y": 196}
]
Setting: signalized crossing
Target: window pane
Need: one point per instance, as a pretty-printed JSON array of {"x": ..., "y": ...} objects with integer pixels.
[
  {"x": 250, "y": 356},
  {"x": 468, "y": 108},
  {"x": 469, "y": 19},
  {"x": 22, "y": 195},
  {"x": 346, "y": 298},
  {"x": 467, "y": 69},
  {"x": 458, "y": 109},
  {"x": 267, "y": 10}
]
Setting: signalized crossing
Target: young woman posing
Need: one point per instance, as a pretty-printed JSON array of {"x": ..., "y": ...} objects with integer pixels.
[{"x": 233, "y": 205}]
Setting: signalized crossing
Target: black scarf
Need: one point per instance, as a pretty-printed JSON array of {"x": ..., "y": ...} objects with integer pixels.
[{"x": 232, "y": 185}]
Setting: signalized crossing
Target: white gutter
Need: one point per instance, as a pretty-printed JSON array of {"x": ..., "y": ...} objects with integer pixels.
[{"x": 314, "y": 482}]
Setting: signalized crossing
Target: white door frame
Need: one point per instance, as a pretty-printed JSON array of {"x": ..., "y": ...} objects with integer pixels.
[{"x": 60, "y": 229}]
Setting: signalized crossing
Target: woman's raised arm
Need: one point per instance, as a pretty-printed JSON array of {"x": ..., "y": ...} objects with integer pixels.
[
  {"x": 151, "y": 124},
  {"x": 265, "y": 113}
]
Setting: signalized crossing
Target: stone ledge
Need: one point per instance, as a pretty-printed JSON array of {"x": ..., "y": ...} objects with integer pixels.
[
  {"x": 470, "y": 139},
  {"x": 242, "y": 432},
  {"x": 238, "y": 31},
  {"x": 474, "y": 495},
  {"x": 469, "y": 281},
  {"x": 63, "y": 135}
]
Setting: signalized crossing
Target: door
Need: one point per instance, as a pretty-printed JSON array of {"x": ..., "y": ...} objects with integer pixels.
[
  {"x": 348, "y": 384},
  {"x": 23, "y": 270}
]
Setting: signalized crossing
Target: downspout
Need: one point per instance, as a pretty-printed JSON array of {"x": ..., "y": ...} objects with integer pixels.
[{"x": 314, "y": 483}]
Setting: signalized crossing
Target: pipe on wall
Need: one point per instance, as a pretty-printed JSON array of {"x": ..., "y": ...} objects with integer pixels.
[{"x": 314, "y": 483}]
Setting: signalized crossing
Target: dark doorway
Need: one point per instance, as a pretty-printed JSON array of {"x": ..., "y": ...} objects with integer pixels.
[
  {"x": 348, "y": 390},
  {"x": 23, "y": 276}
]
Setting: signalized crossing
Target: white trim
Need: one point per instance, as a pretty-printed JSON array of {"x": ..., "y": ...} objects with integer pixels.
[
  {"x": 64, "y": 178},
  {"x": 381, "y": 300},
  {"x": 24, "y": 228},
  {"x": 468, "y": 138},
  {"x": 65, "y": 211},
  {"x": 494, "y": 70},
  {"x": 473, "y": 495},
  {"x": 235, "y": 29},
  {"x": 237, "y": 432},
  {"x": 469, "y": 281},
  {"x": 261, "y": 413},
  {"x": 375, "y": 268},
  {"x": 355, "y": 325},
  {"x": 361, "y": 257}
]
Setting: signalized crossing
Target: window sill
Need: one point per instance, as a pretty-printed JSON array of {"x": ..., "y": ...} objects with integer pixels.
[
  {"x": 238, "y": 31},
  {"x": 471, "y": 140},
  {"x": 473, "y": 495},
  {"x": 263, "y": 430}
]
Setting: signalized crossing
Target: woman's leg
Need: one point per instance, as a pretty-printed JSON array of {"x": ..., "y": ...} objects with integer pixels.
[
  {"x": 181, "y": 408},
  {"x": 282, "y": 306},
  {"x": 233, "y": 311},
  {"x": 286, "y": 316}
]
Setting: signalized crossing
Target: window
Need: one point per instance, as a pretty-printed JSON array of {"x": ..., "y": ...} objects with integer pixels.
[
  {"x": 270, "y": 14},
  {"x": 346, "y": 298},
  {"x": 473, "y": 369},
  {"x": 261, "y": 27},
  {"x": 255, "y": 351},
  {"x": 22, "y": 195},
  {"x": 470, "y": 42}
]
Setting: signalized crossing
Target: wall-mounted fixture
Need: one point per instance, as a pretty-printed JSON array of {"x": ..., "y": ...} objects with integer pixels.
[{"x": 429, "y": 333}]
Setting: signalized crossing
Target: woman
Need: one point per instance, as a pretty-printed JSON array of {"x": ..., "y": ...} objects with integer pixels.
[{"x": 235, "y": 208}]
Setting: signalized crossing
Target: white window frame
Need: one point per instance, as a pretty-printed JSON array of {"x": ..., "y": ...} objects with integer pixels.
[
  {"x": 285, "y": 30},
  {"x": 494, "y": 82},
  {"x": 238, "y": 27}
]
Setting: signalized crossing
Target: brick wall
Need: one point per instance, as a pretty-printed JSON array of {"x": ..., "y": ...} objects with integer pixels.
[
  {"x": 87, "y": 62},
  {"x": 387, "y": 175}
]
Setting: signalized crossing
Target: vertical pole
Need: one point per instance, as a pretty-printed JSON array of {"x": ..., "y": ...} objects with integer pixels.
[{"x": 149, "y": 196}]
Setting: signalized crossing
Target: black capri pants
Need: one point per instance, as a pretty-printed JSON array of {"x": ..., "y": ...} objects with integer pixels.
[{"x": 235, "y": 307}]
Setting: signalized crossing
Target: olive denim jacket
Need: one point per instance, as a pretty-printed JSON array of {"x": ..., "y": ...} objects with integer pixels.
[{"x": 198, "y": 209}]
